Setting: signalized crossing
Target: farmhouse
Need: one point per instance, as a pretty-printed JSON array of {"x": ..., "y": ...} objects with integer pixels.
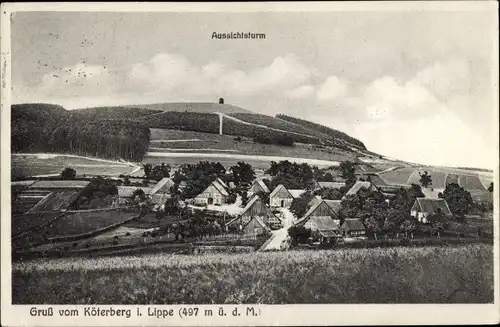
[
  {"x": 424, "y": 207},
  {"x": 257, "y": 208},
  {"x": 322, "y": 227},
  {"x": 258, "y": 186},
  {"x": 358, "y": 186},
  {"x": 319, "y": 209},
  {"x": 161, "y": 191},
  {"x": 282, "y": 197},
  {"x": 215, "y": 193},
  {"x": 248, "y": 224},
  {"x": 352, "y": 227},
  {"x": 125, "y": 193}
]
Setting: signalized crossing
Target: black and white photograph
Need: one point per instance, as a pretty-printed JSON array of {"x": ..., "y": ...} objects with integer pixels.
[{"x": 260, "y": 157}]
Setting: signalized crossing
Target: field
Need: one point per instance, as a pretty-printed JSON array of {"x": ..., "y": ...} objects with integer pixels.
[
  {"x": 21, "y": 223},
  {"x": 49, "y": 164},
  {"x": 462, "y": 274},
  {"x": 175, "y": 142},
  {"x": 84, "y": 222},
  {"x": 440, "y": 177},
  {"x": 70, "y": 224}
]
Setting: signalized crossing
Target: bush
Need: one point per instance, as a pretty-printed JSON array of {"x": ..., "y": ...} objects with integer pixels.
[{"x": 127, "y": 234}]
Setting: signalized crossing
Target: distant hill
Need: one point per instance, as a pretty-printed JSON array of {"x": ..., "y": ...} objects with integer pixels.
[{"x": 200, "y": 107}]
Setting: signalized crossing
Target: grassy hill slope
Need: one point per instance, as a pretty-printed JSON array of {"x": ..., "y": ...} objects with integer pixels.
[{"x": 201, "y": 107}]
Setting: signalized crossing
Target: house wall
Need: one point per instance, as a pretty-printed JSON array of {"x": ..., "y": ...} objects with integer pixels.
[
  {"x": 259, "y": 209},
  {"x": 276, "y": 202},
  {"x": 322, "y": 210},
  {"x": 210, "y": 192}
]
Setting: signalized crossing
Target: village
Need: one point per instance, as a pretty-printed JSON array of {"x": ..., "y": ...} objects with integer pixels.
[{"x": 347, "y": 205}]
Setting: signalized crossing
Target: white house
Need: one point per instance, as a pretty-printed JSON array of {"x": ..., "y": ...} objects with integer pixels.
[
  {"x": 215, "y": 193},
  {"x": 282, "y": 197},
  {"x": 423, "y": 207}
]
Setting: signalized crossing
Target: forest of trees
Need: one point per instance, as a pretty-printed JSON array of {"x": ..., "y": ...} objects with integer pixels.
[
  {"x": 47, "y": 128},
  {"x": 334, "y": 134}
]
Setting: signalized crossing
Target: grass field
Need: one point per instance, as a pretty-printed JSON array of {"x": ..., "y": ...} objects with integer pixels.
[
  {"x": 34, "y": 165},
  {"x": 195, "y": 141},
  {"x": 84, "y": 222},
  {"x": 21, "y": 223},
  {"x": 462, "y": 274}
]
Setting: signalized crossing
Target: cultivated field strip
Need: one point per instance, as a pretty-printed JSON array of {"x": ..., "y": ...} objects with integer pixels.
[{"x": 461, "y": 274}]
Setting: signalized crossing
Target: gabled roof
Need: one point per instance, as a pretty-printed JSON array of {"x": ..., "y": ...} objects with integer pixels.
[
  {"x": 23, "y": 183},
  {"x": 127, "y": 191},
  {"x": 335, "y": 205},
  {"x": 359, "y": 185},
  {"x": 432, "y": 193},
  {"x": 222, "y": 190},
  {"x": 296, "y": 193},
  {"x": 311, "y": 210},
  {"x": 324, "y": 223},
  {"x": 335, "y": 185},
  {"x": 431, "y": 205},
  {"x": 353, "y": 224},
  {"x": 262, "y": 185},
  {"x": 163, "y": 185},
  {"x": 315, "y": 200},
  {"x": 221, "y": 182},
  {"x": 277, "y": 189},
  {"x": 250, "y": 203},
  {"x": 60, "y": 184},
  {"x": 261, "y": 223}
]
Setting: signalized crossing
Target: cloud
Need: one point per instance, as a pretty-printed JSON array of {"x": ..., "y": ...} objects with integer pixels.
[
  {"x": 332, "y": 88},
  {"x": 300, "y": 92}
]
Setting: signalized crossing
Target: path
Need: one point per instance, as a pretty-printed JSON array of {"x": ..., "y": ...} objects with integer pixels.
[{"x": 280, "y": 235}]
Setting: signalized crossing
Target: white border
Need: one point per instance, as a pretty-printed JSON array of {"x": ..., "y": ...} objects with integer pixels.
[{"x": 360, "y": 314}]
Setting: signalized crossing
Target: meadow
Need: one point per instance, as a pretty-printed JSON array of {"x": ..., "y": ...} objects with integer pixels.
[
  {"x": 164, "y": 140},
  {"x": 461, "y": 274}
]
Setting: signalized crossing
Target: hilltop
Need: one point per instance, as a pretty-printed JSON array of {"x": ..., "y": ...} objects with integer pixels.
[{"x": 201, "y": 107}]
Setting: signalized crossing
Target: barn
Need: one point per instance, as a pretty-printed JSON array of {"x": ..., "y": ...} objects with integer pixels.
[
  {"x": 248, "y": 224},
  {"x": 319, "y": 209},
  {"x": 282, "y": 197},
  {"x": 352, "y": 227},
  {"x": 215, "y": 193},
  {"x": 423, "y": 207},
  {"x": 258, "y": 186},
  {"x": 161, "y": 191},
  {"x": 257, "y": 208}
]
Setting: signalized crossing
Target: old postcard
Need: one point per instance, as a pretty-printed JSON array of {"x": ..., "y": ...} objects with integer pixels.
[{"x": 229, "y": 164}]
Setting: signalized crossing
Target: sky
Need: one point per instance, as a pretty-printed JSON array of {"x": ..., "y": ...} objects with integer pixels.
[{"x": 416, "y": 86}]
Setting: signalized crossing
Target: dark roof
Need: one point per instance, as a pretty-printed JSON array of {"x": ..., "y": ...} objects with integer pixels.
[
  {"x": 335, "y": 185},
  {"x": 335, "y": 205},
  {"x": 353, "y": 224},
  {"x": 431, "y": 205},
  {"x": 359, "y": 185},
  {"x": 60, "y": 184}
]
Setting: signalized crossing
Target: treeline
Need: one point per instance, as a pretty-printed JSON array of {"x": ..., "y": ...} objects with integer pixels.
[
  {"x": 325, "y": 130},
  {"x": 264, "y": 135},
  {"x": 47, "y": 128}
]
